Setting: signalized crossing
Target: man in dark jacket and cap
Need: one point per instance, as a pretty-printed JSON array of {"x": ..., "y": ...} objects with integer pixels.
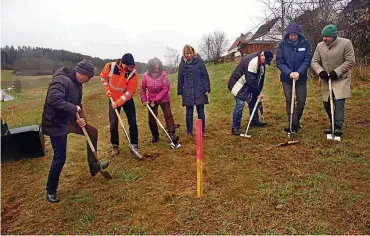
[
  {"x": 293, "y": 58},
  {"x": 62, "y": 102},
  {"x": 246, "y": 84}
]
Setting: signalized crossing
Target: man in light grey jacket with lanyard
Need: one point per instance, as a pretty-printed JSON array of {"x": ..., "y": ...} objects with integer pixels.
[{"x": 334, "y": 58}]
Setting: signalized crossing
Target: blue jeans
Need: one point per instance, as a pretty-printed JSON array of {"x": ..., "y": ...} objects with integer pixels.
[
  {"x": 238, "y": 112},
  {"x": 189, "y": 117},
  {"x": 59, "y": 145}
]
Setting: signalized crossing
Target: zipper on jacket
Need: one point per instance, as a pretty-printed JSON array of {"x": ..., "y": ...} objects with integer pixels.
[{"x": 155, "y": 87}]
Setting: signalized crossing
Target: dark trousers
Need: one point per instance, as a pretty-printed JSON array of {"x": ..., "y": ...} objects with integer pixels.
[
  {"x": 251, "y": 105},
  {"x": 129, "y": 108},
  {"x": 301, "y": 94},
  {"x": 189, "y": 117},
  {"x": 166, "y": 109},
  {"x": 59, "y": 145},
  {"x": 338, "y": 112}
]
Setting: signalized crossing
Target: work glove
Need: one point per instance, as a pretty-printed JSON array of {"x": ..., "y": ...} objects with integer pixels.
[
  {"x": 333, "y": 75},
  {"x": 324, "y": 75}
]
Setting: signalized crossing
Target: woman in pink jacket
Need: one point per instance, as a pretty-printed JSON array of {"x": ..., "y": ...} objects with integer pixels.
[{"x": 154, "y": 91}]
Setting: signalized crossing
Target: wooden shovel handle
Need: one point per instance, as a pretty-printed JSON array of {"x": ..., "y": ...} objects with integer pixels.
[{"x": 86, "y": 135}]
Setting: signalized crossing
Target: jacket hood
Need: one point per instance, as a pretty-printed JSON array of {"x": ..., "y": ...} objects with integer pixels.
[
  {"x": 68, "y": 72},
  {"x": 293, "y": 28}
]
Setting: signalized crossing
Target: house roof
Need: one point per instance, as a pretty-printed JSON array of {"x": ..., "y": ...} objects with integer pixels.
[
  {"x": 242, "y": 38},
  {"x": 262, "y": 42},
  {"x": 265, "y": 28}
]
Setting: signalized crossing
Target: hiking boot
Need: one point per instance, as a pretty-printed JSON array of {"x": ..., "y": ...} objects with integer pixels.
[
  {"x": 175, "y": 138},
  {"x": 104, "y": 165},
  {"x": 338, "y": 132},
  {"x": 53, "y": 198},
  {"x": 154, "y": 139},
  {"x": 134, "y": 147},
  {"x": 236, "y": 132},
  {"x": 258, "y": 123},
  {"x": 93, "y": 165},
  {"x": 115, "y": 151},
  {"x": 328, "y": 131}
]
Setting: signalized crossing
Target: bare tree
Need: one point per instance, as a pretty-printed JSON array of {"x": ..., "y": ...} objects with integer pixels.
[
  {"x": 172, "y": 57},
  {"x": 311, "y": 14},
  {"x": 213, "y": 45}
]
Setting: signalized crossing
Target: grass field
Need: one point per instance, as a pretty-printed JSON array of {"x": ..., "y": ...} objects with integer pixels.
[{"x": 315, "y": 187}]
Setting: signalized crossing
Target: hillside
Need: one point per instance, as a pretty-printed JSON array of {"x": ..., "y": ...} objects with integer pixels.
[{"x": 314, "y": 187}]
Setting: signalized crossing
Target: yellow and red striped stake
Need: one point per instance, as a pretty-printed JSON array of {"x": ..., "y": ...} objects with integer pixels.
[{"x": 199, "y": 158}]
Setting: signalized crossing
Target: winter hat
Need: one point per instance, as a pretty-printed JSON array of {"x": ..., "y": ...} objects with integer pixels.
[
  {"x": 268, "y": 57},
  {"x": 128, "y": 59},
  {"x": 85, "y": 67},
  {"x": 330, "y": 30}
]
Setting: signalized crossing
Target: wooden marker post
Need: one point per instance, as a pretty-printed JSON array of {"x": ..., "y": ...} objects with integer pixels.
[{"x": 199, "y": 136}]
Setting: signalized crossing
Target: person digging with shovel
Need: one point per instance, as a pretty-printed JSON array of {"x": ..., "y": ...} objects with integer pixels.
[
  {"x": 293, "y": 58},
  {"x": 120, "y": 80},
  {"x": 246, "y": 83},
  {"x": 63, "y": 101},
  {"x": 333, "y": 59},
  {"x": 154, "y": 91}
]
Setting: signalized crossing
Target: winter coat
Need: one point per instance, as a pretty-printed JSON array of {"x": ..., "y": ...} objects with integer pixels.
[
  {"x": 157, "y": 87},
  {"x": 340, "y": 57},
  {"x": 293, "y": 57},
  {"x": 248, "y": 78},
  {"x": 122, "y": 86},
  {"x": 193, "y": 82},
  {"x": 64, "y": 93}
]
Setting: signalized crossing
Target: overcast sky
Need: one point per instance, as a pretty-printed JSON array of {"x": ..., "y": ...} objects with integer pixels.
[{"x": 108, "y": 29}]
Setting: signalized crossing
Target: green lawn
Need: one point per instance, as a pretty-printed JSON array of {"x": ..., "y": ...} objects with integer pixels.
[{"x": 314, "y": 187}]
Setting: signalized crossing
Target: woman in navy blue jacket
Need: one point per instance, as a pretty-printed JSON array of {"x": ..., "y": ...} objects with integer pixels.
[
  {"x": 293, "y": 58},
  {"x": 193, "y": 86}
]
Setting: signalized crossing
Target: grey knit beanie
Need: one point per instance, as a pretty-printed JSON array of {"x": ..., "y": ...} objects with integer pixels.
[{"x": 85, "y": 67}]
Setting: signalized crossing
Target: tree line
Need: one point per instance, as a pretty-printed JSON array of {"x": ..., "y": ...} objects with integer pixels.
[{"x": 26, "y": 60}]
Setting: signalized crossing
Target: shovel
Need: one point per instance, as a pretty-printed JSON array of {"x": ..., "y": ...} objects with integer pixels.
[
  {"x": 246, "y": 135},
  {"x": 104, "y": 173},
  {"x": 290, "y": 142},
  {"x": 332, "y": 135},
  {"x": 292, "y": 135},
  {"x": 137, "y": 154},
  {"x": 171, "y": 144}
]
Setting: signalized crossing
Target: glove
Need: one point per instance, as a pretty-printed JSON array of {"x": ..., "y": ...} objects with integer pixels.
[
  {"x": 333, "y": 75},
  {"x": 324, "y": 75},
  {"x": 119, "y": 102}
]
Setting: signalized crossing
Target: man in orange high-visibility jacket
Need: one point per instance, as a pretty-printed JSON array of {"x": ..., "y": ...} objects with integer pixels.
[{"x": 120, "y": 81}]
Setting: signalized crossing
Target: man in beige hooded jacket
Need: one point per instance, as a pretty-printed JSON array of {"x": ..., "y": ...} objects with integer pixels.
[{"x": 334, "y": 58}]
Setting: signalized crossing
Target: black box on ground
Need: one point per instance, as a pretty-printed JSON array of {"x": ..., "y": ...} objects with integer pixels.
[{"x": 27, "y": 141}]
